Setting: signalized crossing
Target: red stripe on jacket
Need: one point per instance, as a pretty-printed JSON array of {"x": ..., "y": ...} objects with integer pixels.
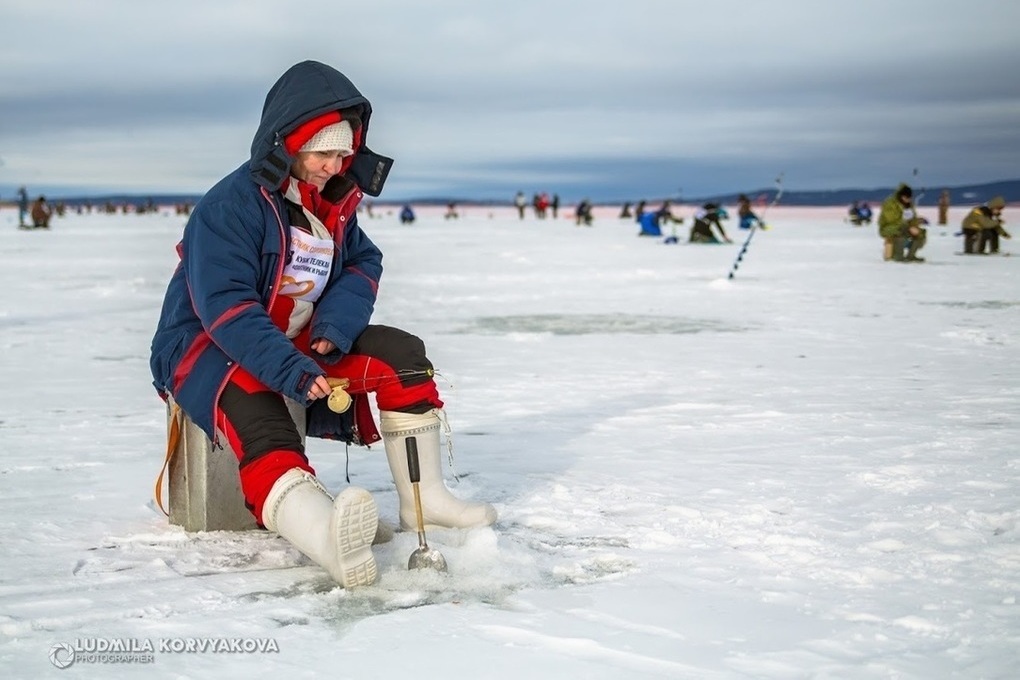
[{"x": 187, "y": 362}]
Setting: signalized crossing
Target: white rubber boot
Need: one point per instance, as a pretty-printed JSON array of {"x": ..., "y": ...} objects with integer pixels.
[
  {"x": 336, "y": 534},
  {"x": 440, "y": 508}
]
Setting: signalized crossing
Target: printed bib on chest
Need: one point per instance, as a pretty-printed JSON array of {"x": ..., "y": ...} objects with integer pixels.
[{"x": 308, "y": 268}]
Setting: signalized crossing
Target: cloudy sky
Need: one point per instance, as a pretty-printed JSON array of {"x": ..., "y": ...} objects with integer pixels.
[{"x": 480, "y": 99}]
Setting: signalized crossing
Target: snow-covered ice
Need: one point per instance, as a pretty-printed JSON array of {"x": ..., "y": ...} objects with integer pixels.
[{"x": 809, "y": 471}]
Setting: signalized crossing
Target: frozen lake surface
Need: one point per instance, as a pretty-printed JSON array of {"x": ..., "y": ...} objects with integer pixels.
[{"x": 809, "y": 471}]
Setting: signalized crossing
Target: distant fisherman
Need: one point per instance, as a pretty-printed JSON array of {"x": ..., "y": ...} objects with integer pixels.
[
  {"x": 707, "y": 217},
  {"x": 982, "y": 227},
  {"x": 746, "y": 215},
  {"x": 22, "y": 206},
  {"x": 900, "y": 227}
]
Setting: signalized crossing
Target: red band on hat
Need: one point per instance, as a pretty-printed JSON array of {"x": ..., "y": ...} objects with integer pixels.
[{"x": 295, "y": 140}]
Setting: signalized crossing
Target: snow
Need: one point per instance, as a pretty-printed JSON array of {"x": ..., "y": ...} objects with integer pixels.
[{"x": 809, "y": 471}]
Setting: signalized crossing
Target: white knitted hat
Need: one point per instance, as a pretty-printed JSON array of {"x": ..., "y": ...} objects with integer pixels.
[{"x": 335, "y": 137}]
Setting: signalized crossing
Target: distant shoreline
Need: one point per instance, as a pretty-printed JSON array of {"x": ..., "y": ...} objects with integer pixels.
[{"x": 971, "y": 194}]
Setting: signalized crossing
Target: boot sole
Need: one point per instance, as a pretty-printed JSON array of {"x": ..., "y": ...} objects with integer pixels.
[{"x": 356, "y": 519}]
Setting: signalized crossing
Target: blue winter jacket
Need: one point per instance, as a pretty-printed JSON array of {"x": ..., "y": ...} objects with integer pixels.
[{"x": 215, "y": 314}]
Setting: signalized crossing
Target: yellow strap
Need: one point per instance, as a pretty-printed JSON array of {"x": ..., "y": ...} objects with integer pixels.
[{"x": 173, "y": 437}]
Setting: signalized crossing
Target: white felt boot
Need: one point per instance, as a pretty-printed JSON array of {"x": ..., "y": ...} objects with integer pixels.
[
  {"x": 336, "y": 534},
  {"x": 440, "y": 508}
]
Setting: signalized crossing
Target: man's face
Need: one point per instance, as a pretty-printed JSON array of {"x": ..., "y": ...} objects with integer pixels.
[{"x": 905, "y": 200}]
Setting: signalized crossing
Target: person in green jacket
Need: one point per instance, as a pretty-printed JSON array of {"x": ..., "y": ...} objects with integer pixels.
[
  {"x": 900, "y": 226},
  {"x": 982, "y": 227}
]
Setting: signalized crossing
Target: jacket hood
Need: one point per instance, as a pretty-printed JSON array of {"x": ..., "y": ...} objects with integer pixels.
[{"x": 305, "y": 91}]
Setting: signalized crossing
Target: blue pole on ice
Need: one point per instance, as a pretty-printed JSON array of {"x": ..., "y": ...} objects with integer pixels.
[{"x": 743, "y": 249}]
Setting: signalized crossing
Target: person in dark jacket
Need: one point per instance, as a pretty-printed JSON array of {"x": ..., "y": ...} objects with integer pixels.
[
  {"x": 664, "y": 215},
  {"x": 407, "y": 214},
  {"x": 272, "y": 300},
  {"x": 22, "y": 206},
  {"x": 583, "y": 214},
  {"x": 860, "y": 213},
  {"x": 865, "y": 212},
  {"x": 707, "y": 217},
  {"x": 639, "y": 210}
]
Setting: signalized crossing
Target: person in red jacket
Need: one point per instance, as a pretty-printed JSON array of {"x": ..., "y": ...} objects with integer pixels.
[{"x": 272, "y": 300}]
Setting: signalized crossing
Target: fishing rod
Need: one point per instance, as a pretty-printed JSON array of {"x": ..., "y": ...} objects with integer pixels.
[{"x": 339, "y": 400}]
